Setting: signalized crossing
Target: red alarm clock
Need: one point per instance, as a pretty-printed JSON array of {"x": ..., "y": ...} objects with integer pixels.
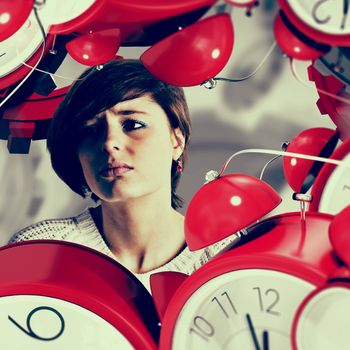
[
  {"x": 12, "y": 15},
  {"x": 126, "y": 15},
  {"x": 59, "y": 295},
  {"x": 322, "y": 320},
  {"x": 331, "y": 189},
  {"x": 301, "y": 173},
  {"x": 331, "y": 73},
  {"x": 246, "y": 297},
  {"x": 23, "y": 46},
  {"x": 179, "y": 60},
  {"x": 57, "y": 12},
  {"x": 325, "y": 21},
  {"x": 293, "y": 42},
  {"x": 29, "y": 120}
]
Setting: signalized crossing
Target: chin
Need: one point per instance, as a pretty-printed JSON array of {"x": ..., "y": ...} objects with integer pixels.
[
  {"x": 120, "y": 192},
  {"x": 117, "y": 196}
]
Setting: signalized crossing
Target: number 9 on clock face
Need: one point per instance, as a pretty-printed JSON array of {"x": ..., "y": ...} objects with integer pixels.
[
  {"x": 328, "y": 16},
  {"x": 235, "y": 310},
  {"x": 38, "y": 322}
]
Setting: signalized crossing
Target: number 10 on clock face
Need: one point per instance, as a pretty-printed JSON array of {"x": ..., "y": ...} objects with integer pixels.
[{"x": 236, "y": 310}]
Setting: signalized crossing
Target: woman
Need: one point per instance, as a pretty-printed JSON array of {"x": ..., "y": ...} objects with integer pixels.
[{"x": 121, "y": 135}]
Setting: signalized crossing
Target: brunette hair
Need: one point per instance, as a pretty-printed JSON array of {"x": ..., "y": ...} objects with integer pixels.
[{"x": 97, "y": 90}]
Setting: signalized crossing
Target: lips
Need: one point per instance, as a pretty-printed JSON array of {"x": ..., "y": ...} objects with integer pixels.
[{"x": 115, "y": 169}]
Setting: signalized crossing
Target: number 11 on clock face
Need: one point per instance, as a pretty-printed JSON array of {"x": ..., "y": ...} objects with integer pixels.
[{"x": 245, "y": 309}]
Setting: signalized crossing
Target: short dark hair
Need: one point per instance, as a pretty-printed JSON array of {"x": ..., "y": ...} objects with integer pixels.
[{"x": 97, "y": 90}]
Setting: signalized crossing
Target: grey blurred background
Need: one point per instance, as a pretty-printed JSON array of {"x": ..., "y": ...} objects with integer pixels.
[{"x": 262, "y": 112}]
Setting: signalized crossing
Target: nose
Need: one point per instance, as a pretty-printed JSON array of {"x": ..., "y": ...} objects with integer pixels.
[{"x": 114, "y": 137}]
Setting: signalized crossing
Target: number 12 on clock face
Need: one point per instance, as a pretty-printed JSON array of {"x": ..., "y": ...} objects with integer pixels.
[{"x": 242, "y": 309}]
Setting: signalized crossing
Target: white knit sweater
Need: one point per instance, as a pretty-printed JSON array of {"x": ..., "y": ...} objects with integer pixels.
[{"x": 81, "y": 229}]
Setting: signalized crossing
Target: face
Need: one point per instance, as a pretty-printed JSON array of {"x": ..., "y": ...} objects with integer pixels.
[{"x": 127, "y": 151}]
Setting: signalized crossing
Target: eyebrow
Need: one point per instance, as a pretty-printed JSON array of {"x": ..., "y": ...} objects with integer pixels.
[
  {"x": 117, "y": 111},
  {"x": 127, "y": 111},
  {"x": 128, "y": 106},
  {"x": 123, "y": 112}
]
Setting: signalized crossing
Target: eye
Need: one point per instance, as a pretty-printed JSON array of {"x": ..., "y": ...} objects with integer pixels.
[
  {"x": 92, "y": 129},
  {"x": 132, "y": 124}
]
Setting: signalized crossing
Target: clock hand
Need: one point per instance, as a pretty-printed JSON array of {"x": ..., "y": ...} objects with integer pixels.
[
  {"x": 345, "y": 13},
  {"x": 265, "y": 340},
  {"x": 252, "y": 332}
]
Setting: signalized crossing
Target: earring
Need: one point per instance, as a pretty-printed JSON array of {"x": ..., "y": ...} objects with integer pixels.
[
  {"x": 86, "y": 191},
  {"x": 179, "y": 166}
]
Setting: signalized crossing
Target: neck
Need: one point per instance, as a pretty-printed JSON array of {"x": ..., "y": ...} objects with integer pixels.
[{"x": 142, "y": 233}]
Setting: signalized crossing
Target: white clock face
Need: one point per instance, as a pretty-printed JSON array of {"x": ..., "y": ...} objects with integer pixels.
[
  {"x": 324, "y": 322},
  {"x": 37, "y": 322},
  {"x": 20, "y": 46},
  {"x": 328, "y": 16},
  {"x": 61, "y": 11},
  {"x": 336, "y": 193},
  {"x": 230, "y": 310}
]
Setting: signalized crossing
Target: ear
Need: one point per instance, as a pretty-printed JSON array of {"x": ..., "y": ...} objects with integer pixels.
[{"x": 178, "y": 142}]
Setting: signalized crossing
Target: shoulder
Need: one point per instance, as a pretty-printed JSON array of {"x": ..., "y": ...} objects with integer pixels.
[
  {"x": 58, "y": 229},
  {"x": 215, "y": 249}
]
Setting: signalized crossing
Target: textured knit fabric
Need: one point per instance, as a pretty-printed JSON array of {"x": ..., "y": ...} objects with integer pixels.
[{"x": 81, "y": 229}]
